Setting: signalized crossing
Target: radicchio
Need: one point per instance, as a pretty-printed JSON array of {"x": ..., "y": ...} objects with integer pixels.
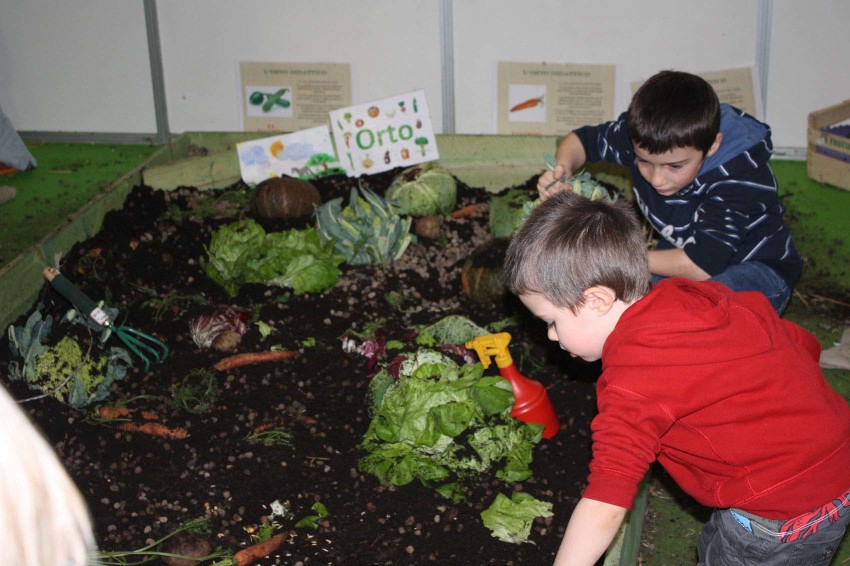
[{"x": 204, "y": 328}]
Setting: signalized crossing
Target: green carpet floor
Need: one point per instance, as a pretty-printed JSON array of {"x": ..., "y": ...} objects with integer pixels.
[{"x": 69, "y": 176}]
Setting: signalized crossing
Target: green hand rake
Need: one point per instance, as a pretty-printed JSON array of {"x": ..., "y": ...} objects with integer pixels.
[{"x": 146, "y": 347}]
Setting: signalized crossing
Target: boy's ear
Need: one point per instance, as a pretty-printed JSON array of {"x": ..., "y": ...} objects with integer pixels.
[
  {"x": 599, "y": 299},
  {"x": 715, "y": 146}
]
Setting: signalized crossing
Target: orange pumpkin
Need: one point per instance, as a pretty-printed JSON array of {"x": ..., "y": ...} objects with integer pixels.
[
  {"x": 284, "y": 198},
  {"x": 481, "y": 275}
]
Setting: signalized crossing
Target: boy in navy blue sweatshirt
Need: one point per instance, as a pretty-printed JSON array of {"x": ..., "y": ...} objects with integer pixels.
[{"x": 701, "y": 178}]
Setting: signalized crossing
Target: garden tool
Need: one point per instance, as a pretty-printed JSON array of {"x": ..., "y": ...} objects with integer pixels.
[
  {"x": 146, "y": 347},
  {"x": 532, "y": 404}
]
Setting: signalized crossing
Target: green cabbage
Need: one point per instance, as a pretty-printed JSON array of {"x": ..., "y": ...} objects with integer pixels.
[{"x": 423, "y": 190}]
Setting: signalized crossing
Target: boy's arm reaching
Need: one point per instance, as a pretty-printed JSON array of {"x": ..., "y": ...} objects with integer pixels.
[
  {"x": 569, "y": 157},
  {"x": 592, "y": 527},
  {"x": 675, "y": 263}
]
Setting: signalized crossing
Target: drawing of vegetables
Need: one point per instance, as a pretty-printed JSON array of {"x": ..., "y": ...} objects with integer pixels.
[
  {"x": 373, "y": 111},
  {"x": 269, "y": 99},
  {"x": 421, "y": 142},
  {"x": 530, "y": 103}
]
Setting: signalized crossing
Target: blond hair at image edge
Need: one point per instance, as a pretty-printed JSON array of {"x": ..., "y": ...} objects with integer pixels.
[{"x": 43, "y": 518}]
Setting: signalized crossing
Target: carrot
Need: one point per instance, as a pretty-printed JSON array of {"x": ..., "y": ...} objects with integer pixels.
[
  {"x": 148, "y": 416},
  {"x": 250, "y": 555},
  {"x": 465, "y": 211},
  {"x": 262, "y": 427},
  {"x": 530, "y": 103},
  {"x": 109, "y": 413},
  {"x": 155, "y": 429},
  {"x": 248, "y": 358}
]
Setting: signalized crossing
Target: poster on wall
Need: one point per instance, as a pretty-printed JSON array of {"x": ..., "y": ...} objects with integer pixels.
[
  {"x": 737, "y": 87},
  {"x": 287, "y": 97},
  {"x": 380, "y": 135},
  {"x": 551, "y": 99},
  {"x": 306, "y": 154}
]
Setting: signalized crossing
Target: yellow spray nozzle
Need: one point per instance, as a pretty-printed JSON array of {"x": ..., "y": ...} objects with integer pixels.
[{"x": 495, "y": 345}]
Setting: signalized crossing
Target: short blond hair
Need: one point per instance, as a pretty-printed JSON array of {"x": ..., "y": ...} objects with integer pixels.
[
  {"x": 569, "y": 244},
  {"x": 43, "y": 517}
]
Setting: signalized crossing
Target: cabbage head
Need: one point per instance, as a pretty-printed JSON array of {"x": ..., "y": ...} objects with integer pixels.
[{"x": 423, "y": 190}]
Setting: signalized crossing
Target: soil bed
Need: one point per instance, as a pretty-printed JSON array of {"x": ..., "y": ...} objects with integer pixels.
[{"x": 147, "y": 261}]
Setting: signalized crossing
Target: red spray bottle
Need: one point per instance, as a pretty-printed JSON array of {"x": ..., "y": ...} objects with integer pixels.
[{"x": 532, "y": 403}]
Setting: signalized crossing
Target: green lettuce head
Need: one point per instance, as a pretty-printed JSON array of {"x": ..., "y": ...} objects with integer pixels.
[{"x": 423, "y": 190}]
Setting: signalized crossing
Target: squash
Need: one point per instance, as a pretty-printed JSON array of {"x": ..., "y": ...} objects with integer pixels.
[
  {"x": 481, "y": 275},
  {"x": 284, "y": 198}
]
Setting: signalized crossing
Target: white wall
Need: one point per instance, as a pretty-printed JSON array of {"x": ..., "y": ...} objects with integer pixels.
[
  {"x": 640, "y": 38},
  {"x": 75, "y": 66},
  {"x": 809, "y": 64},
  {"x": 393, "y": 47},
  {"x": 82, "y": 66}
]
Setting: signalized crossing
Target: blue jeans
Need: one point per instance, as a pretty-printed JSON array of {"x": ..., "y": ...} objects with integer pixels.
[{"x": 753, "y": 276}]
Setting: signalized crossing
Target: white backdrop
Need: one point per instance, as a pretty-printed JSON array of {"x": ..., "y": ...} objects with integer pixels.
[{"x": 83, "y": 66}]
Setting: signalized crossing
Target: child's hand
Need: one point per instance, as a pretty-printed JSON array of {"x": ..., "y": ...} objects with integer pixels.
[{"x": 554, "y": 181}]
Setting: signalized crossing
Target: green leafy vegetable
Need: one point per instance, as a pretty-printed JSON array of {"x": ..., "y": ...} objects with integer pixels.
[
  {"x": 510, "y": 519},
  {"x": 27, "y": 343},
  {"x": 62, "y": 371},
  {"x": 453, "y": 329},
  {"x": 506, "y": 212},
  {"x": 509, "y": 210},
  {"x": 368, "y": 230},
  {"x": 423, "y": 190},
  {"x": 444, "y": 424},
  {"x": 243, "y": 252},
  {"x": 312, "y": 521}
]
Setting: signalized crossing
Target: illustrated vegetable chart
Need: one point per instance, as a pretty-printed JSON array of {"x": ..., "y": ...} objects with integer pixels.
[{"x": 383, "y": 134}]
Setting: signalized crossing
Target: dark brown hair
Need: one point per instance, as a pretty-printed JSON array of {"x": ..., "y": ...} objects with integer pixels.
[
  {"x": 674, "y": 109},
  {"x": 569, "y": 244}
]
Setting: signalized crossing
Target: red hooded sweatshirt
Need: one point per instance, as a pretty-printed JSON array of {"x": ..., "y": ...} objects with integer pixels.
[{"x": 726, "y": 396}]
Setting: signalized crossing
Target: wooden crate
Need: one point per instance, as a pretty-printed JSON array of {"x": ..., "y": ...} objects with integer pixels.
[{"x": 828, "y": 156}]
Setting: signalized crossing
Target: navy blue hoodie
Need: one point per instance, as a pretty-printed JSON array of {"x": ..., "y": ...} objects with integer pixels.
[{"x": 729, "y": 214}]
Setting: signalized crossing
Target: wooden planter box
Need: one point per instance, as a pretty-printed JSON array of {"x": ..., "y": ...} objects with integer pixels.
[
  {"x": 828, "y": 155},
  {"x": 490, "y": 162}
]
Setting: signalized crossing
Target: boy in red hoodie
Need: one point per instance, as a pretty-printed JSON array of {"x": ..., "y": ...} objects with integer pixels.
[{"x": 726, "y": 396}]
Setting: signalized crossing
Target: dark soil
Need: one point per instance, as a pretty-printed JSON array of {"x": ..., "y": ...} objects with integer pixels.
[{"x": 147, "y": 261}]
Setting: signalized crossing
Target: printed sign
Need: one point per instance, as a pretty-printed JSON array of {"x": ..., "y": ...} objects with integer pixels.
[
  {"x": 552, "y": 99},
  {"x": 288, "y": 97},
  {"x": 380, "y": 135},
  {"x": 306, "y": 155}
]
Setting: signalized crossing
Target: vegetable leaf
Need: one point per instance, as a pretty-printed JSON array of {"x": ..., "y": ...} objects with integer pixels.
[
  {"x": 443, "y": 424},
  {"x": 510, "y": 519},
  {"x": 243, "y": 252}
]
